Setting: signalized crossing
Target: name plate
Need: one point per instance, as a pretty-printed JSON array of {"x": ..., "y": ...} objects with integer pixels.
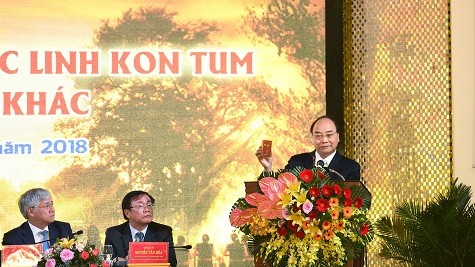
[{"x": 148, "y": 252}]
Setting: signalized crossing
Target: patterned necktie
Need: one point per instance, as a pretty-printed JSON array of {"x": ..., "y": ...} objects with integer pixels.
[
  {"x": 139, "y": 237},
  {"x": 45, "y": 244}
]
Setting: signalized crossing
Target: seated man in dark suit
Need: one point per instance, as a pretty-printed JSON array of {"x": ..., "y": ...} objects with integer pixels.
[
  {"x": 137, "y": 209},
  {"x": 37, "y": 207},
  {"x": 325, "y": 138}
]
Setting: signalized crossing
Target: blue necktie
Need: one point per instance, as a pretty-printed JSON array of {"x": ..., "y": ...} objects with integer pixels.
[
  {"x": 139, "y": 236},
  {"x": 45, "y": 244}
]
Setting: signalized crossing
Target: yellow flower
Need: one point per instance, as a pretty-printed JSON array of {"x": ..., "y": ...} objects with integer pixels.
[
  {"x": 293, "y": 187},
  {"x": 314, "y": 228},
  {"x": 296, "y": 217},
  {"x": 65, "y": 243},
  {"x": 301, "y": 197},
  {"x": 285, "y": 199},
  {"x": 259, "y": 226}
]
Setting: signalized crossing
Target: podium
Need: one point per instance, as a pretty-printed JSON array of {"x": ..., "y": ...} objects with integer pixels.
[{"x": 253, "y": 186}]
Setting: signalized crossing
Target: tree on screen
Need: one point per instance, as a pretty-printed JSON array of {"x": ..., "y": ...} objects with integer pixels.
[
  {"x": 180, "y": 138},
  {"x": 297, "y": 29}
]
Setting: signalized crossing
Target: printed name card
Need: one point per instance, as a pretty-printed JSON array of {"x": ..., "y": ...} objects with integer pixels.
[{"x": 148, "y": 252}]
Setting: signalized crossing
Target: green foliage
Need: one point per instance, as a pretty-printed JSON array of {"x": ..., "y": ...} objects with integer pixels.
[
  {"x": 297, "y": 29},
  {"x": 437, "y": 233}
]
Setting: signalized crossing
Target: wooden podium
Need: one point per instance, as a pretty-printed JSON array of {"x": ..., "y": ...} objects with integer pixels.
[{"x": 253, "y": 186}]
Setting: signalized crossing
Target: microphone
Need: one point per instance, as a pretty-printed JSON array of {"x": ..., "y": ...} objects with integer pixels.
[
  {"x": 321, "y": 163},
  {"x": 69, "y": 237},
  {"x": 74, "y": 234},
  {"x": 184, "y": 247}
]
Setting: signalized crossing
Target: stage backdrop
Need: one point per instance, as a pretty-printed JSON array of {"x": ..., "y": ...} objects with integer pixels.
[{"x": 102, "y": 97}]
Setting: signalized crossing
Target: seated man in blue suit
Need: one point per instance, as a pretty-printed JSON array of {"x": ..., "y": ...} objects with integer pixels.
[
  {"x": 137, "y": 209},
  {"x": 325, "y": 138},
  {"x": 37, "y": 207}
]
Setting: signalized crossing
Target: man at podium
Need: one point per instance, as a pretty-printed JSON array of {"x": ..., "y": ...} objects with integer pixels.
[
  {"x": 325, "y": 138},
  {"x": 137, "y": 209}
]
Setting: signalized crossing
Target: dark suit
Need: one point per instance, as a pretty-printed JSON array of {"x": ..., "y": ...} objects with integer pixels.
[
  {"x": 119, "y": 237},
  {"x": 348, "y": 168},
  {"x": 23, "y": 235}
]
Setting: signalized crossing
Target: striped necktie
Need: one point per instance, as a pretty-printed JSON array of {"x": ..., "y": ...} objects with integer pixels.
[
  {"x": 45, "y": 244},
  {"x": 139, "y": 237}
]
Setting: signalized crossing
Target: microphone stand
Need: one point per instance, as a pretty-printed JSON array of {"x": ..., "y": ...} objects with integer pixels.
[
  {"x": 54, "y": 239},
  {"x": 321, "y": 164},
  {"x": 337, "y": 173},
  {"x": 183, "y": 247}
]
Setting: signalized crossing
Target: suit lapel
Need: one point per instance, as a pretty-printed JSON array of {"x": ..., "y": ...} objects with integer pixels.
[
  {"x": 126, "y": 235},
  {"x": 53, "y": 233},
  {"x": 336, "y": 162},
  {"x": 27, "y": 235},
  {"x": 151, "y": 234},
  {"x": 309, "y": 160}
]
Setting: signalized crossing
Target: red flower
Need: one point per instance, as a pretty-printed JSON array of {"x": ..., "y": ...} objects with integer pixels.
[
  {"x": 358, "y": 202},
  {"x": 327, "y": 190},
  {"x": 322, "y": 205},
  {"x": 282, "y": 231},
  {"x": 364, "y": 229},
  {"x": 300, "y": 234},
  {"x": 96, "y": 252},
  {"x": 321, "y": 175},
  {"x": 314, "y": 191},
  {"x": 347, "y": 202},
  {"x": 347, "y": 193},
  {"x": 292, "y": 226},
  {"x": 295, "y": 208},
  {"x": 306, "y": 175},
  {"x": 313, "y": 214},
  {"x": 103, "y": 264},
  {"x": 84, "y": 255},
  {"x": 337, "y": 189}
]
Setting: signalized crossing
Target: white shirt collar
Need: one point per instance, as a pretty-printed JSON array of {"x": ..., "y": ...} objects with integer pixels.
[
  {"x": 36, "y": 232},
  {"x": 327, "y": 160},
  {"x": 133, "y": 231}
]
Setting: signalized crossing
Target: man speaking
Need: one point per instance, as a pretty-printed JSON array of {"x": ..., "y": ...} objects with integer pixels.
[{"x": 325, "y": 138}]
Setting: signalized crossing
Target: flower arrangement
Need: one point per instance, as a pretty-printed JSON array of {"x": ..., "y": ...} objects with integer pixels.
[
  {"x": 67, "y": 252},
  {"x": 304, "y": 219}
]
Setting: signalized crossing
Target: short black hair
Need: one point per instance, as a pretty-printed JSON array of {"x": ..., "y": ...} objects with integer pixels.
[
  {"x": 320, "y": 118},
  {"x": 127, "y": 201}
]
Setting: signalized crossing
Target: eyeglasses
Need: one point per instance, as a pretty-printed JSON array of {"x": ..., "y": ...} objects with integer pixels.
[
  {"x": 47, "y": 206},
  {"x": 320, "y": 136},
  {"x": 142, "y": 206}
]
